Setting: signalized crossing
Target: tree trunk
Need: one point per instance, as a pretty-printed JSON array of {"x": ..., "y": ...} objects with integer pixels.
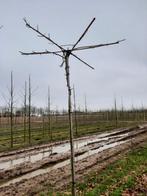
[{"x": 70, "y": 122}]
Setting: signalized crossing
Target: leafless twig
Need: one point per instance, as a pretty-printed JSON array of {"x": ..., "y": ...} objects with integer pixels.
[
  {"x": 43, "y": 35},
  {"x": 40, "y": 53},
  {"x": 98, "y": 45}
]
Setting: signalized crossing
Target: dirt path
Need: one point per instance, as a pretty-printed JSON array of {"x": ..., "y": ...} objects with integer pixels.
[{"x": 60, "y": 177}]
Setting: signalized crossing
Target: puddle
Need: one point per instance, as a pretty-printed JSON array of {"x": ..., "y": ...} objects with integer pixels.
[
  {"x": 61, "y": 164},
  {"x": 58, "y": 149},
  {"x": 94, "y": 151}
]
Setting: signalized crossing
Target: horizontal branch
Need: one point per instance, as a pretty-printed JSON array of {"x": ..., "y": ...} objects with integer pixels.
[
  {"x": 97, "y": 46},
  {"x": 41, "y": 34},
  {"x": 40, "y": 53}
]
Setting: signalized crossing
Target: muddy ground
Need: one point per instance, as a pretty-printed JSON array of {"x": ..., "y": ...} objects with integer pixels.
[{"x": 59, "y": 178}]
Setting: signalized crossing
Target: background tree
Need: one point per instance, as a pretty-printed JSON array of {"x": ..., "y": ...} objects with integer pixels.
[
  {"x": 75, "y": 111},
  {"x": 49, "y": 114},
  {"x": 29, "y": 109},
  {"x": 11, "y": 108},
  {"x": 25, "y": 110}
]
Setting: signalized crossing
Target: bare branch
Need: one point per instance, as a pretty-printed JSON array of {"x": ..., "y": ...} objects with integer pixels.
[
  {"x": 62, "y": 63},
  {"x": 83, "y": 33},
  {"x": 97, "y": 46},
  {"x": 40, "y": 53},
  {"x": 43, "y": 35},
  {"x": 82, "y": 60}
]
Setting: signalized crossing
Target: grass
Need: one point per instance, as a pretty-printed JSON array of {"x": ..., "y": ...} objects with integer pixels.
[
  {"x": 115, "y": 179},
  {"x": 118, "y": 176},
  {"x": 40, "y": 134}
]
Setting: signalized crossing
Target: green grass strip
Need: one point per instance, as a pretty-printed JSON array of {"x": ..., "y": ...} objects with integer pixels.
[{"x": 114, "y": 175}]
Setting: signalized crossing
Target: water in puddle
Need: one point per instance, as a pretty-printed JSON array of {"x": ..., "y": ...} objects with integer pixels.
[
  {"x": 59, "y": 165},
  {"x": 58, "y": 149}
]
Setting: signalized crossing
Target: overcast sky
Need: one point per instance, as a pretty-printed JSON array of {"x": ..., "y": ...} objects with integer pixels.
[{"x": 120, "y": 70}]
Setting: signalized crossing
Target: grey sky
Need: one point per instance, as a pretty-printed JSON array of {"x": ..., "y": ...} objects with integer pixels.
[{"x": 120, "y": 70}]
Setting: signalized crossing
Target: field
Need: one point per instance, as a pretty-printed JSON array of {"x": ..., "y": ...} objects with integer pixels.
[
  {"x": 110, "y": 154},
  {"x": 43, "y": 130},
  {"x": 73, "y": 110},
  {"x": 127, "y": 176}
]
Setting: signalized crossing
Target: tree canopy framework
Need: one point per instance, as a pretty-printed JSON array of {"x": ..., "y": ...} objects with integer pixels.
[{"x": 64, "y": 54}]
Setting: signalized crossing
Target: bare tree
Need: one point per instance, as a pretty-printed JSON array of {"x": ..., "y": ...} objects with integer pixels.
[
  {"x": 75, "y": 111},
  {"x": 49, "y": 114},
  {"x": 122, "y": 110},
  {"x": 7, "y": 106},
  {"x": 116, "y": 113},
  {"x": 43, "y": 124},
  {"x": 11, "y": 108},
  {"x": 29, "y": 109},
  {"x": 56, "y": 114},
  {"x": 64, "y": 54},
  {"x": 143, "y": 111},
  {"x": 25, "y": 110},
  {"x": 86, "y": 110}
]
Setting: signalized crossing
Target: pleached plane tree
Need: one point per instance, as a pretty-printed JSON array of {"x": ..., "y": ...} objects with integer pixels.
[{"x": 64, "y": 54}]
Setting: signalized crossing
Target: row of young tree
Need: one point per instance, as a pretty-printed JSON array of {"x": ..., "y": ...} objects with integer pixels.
[
  {"x": 27, "y": 113},
  {"x": 10, "y": 111}
]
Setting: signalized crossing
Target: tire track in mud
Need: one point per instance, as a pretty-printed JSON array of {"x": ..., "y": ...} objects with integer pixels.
[
  {"x": 60, "y": 176},
  {"x": 23, "y": 168}
]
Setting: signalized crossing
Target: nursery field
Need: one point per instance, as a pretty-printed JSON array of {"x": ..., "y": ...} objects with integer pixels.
[
  {"x": 39, "y": 130},
  {"x": 108, "y": 161}
]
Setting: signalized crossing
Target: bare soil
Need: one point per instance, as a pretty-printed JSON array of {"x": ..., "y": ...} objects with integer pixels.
[{"x": 59, "y": 178}]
